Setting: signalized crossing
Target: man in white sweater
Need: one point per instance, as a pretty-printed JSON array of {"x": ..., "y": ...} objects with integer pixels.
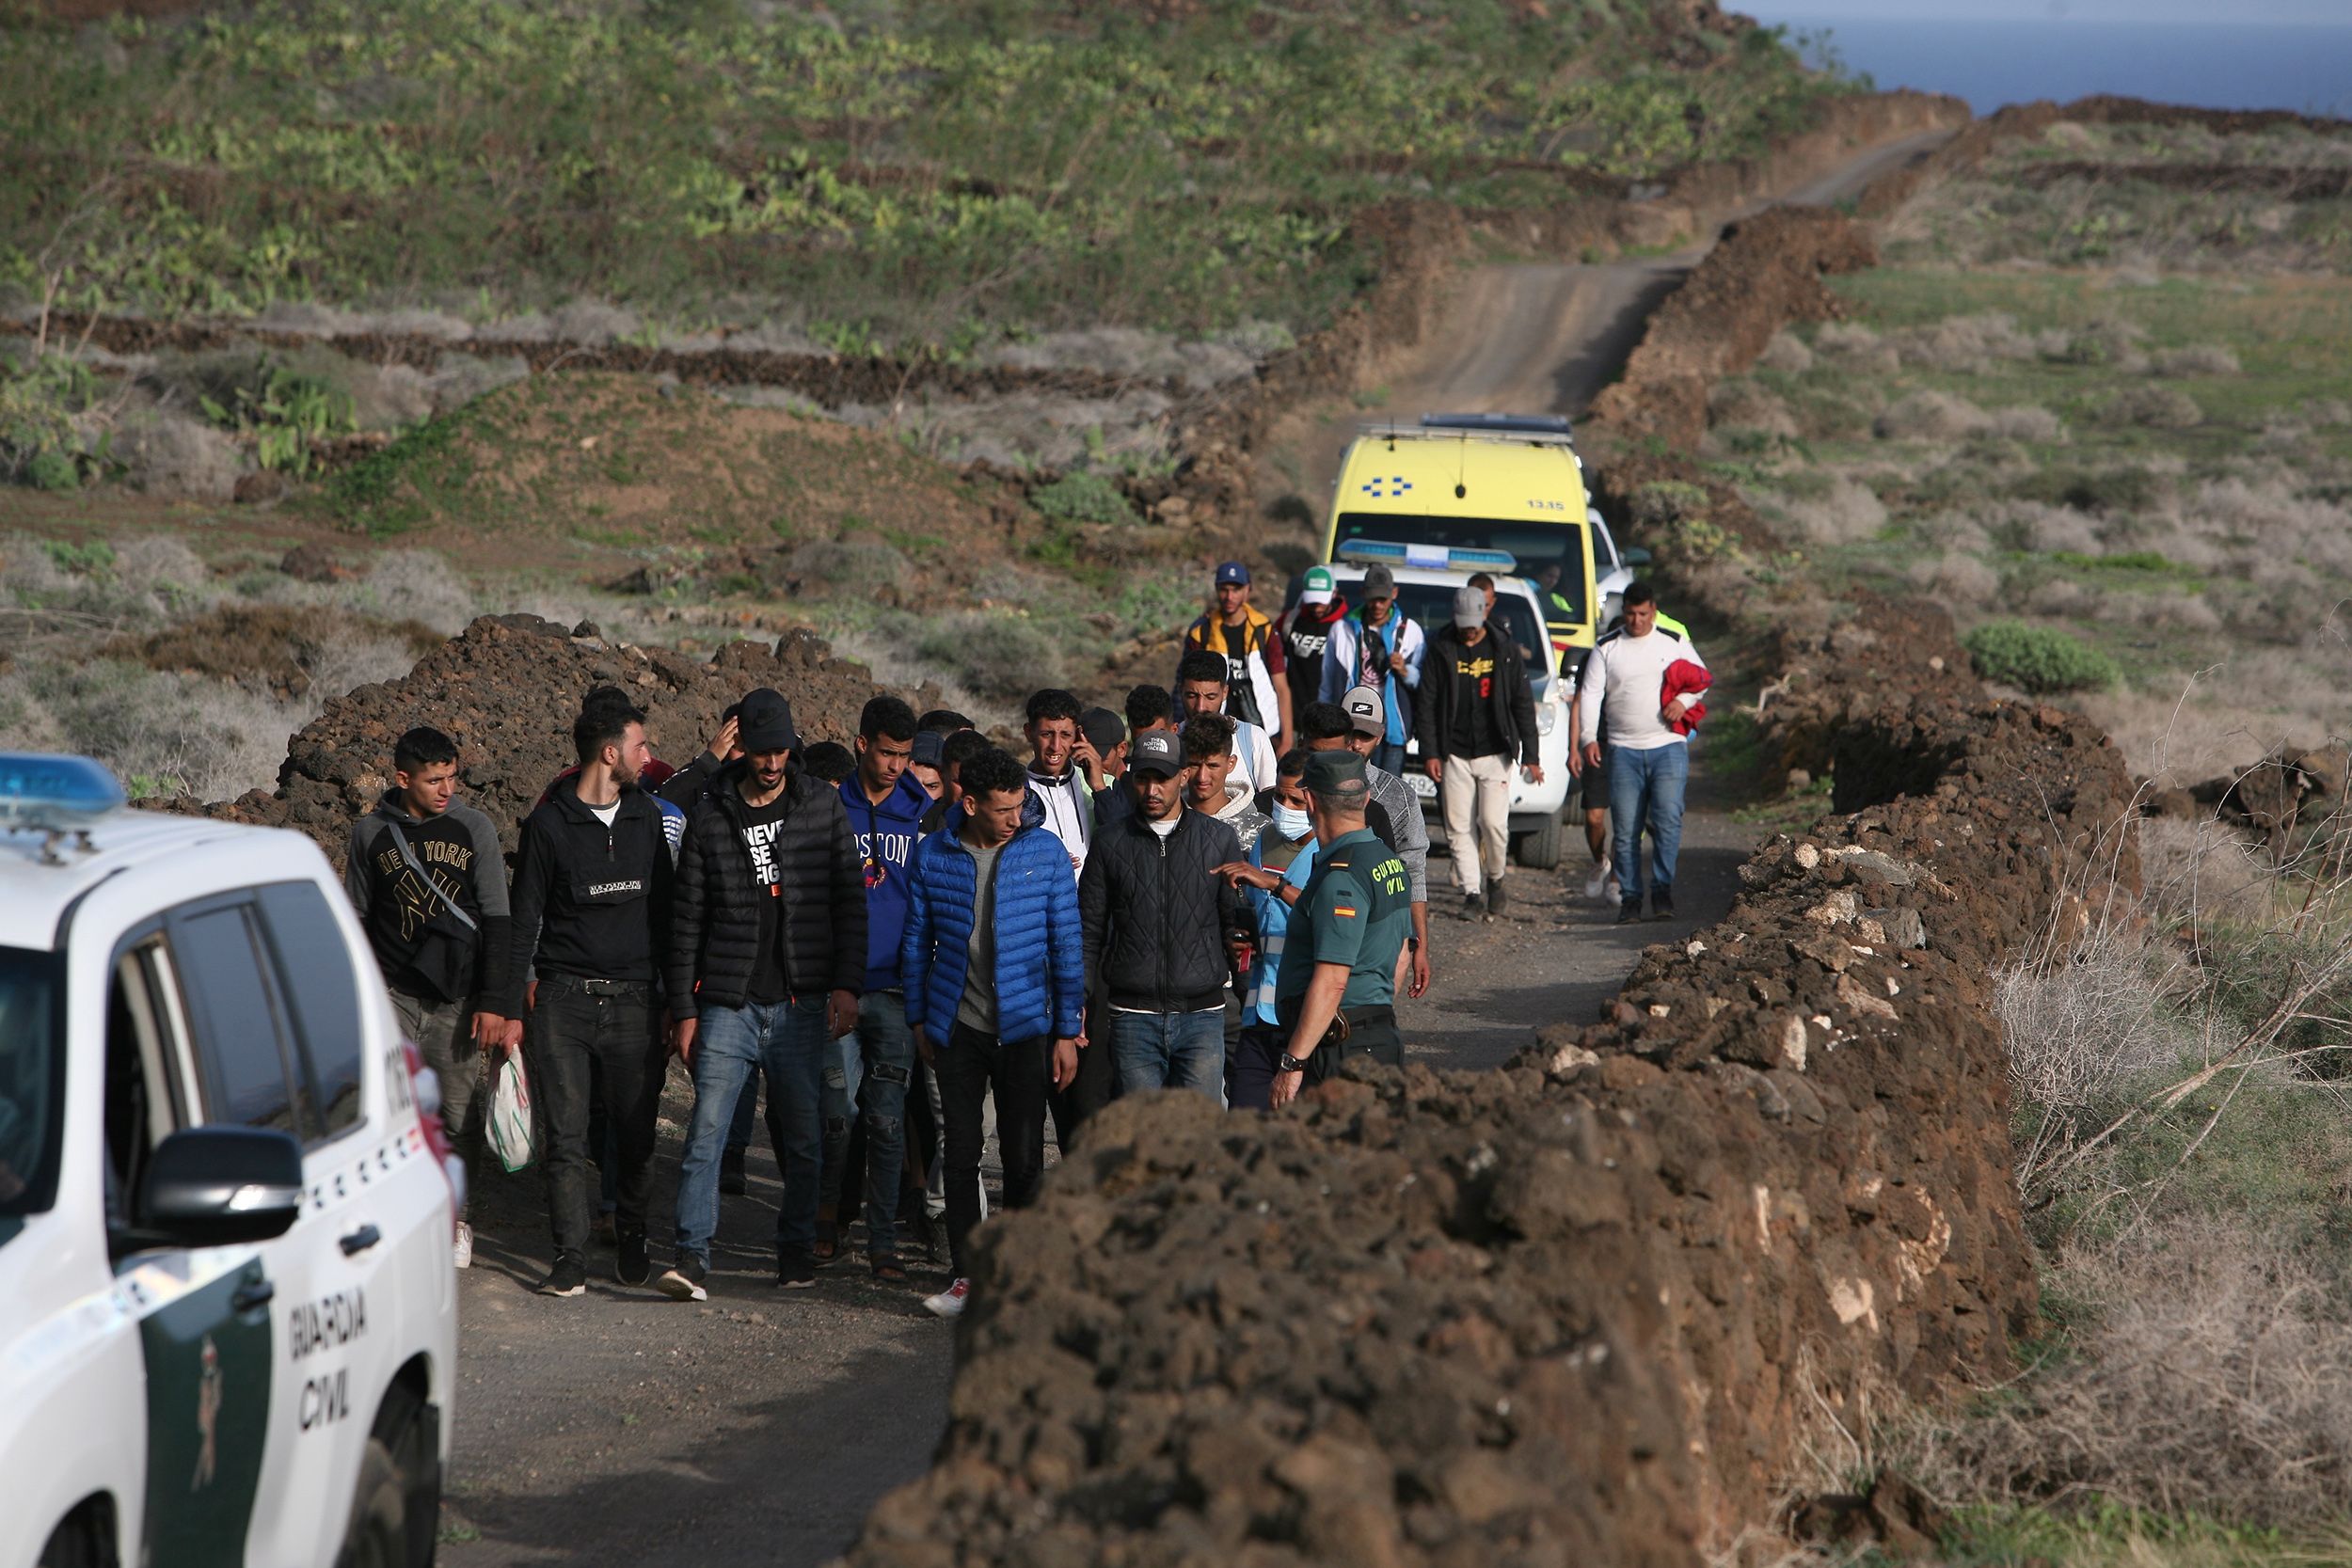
[{"x": 1649, "y": 754}]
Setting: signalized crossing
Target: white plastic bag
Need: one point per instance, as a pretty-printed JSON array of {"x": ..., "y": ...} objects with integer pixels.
[{"x": 510, "y": 1115}]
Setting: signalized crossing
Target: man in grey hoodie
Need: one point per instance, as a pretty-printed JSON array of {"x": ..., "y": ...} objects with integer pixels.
[{"x": 429, "y": 884}]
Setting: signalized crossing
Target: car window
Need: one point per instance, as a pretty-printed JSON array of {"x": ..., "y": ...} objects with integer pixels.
[
  {"x": 143, "y": 1102},
  {"x": 32, "y": 1048},
  {"x": 321, "y": 992},
  {"x": 1432, "y": 604},
  {"x": 234, "y": 1015}
]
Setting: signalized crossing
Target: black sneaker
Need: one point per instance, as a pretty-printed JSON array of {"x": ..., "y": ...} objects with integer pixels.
[
  {"x": 1630, "y": 911},
  {"x": 796, "y": 1273},
  {"x": 731, "y": 1173},
  {"x": 1495, "y": 899},
  {"x": 632, "y": 1267},
  {"x": 1473, "y": 906},
  {"x": 683, "y": 1279},
  {"x": 568, "y": 1279},
  {"x": 1662, "y": 903}
]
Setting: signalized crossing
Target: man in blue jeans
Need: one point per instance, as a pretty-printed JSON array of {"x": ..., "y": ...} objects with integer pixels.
[
  {"x": 994, "y": 981},
  {"x": 871, "y": 1068},
  {"x": 768, "y": 941},
  {"x": 1162, "y": 929},
  {"x": 1649, "y": 752}
]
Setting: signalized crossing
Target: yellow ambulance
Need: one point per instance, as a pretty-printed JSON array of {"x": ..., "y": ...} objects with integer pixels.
[{"x": 1500, "y": 483}]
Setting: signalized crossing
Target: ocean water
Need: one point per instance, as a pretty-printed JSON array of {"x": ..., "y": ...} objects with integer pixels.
[{"x": 1991, "y": 63}]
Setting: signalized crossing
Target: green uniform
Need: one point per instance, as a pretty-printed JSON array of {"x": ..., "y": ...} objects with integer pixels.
[{"x": 1358, "y": 910}]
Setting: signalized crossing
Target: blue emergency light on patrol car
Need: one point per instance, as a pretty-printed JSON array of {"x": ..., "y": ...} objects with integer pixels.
[
  {"x": 46, "y": 792},
  {"x": 1426, "y": 558}
]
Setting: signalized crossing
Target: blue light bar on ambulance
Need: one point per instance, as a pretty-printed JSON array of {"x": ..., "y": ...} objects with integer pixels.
[
  {"x": 40, "y": 790},
  {"x": 1426, "y": 558}
]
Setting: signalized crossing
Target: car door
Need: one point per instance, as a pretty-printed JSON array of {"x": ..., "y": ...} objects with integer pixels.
[
  {"x": 203, "y": 1314},
  {"x": 345, "y": 1333},
  {"x": 243, "y": 1037}
]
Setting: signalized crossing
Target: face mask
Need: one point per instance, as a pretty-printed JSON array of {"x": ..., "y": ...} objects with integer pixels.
[{"x": 1289, "y": 821}]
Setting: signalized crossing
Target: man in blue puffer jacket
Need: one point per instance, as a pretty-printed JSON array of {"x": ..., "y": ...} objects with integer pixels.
[{"x": 994, "y": 972}]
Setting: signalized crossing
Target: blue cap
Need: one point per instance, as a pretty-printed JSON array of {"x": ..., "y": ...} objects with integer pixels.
[{"x": 1233, "y": 572}]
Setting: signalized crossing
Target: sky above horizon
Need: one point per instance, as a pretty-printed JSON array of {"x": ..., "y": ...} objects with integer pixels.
[{"x": 2271, "y": 13}]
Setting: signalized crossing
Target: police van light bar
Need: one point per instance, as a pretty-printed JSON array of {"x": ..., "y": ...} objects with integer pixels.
[
  {"x": 41, "y": 790},
  {"x": 1426, "y": 558}
]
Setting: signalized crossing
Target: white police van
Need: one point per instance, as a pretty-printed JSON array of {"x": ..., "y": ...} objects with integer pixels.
[
  {"x": 227, "y": 1314},
  {"x": 1426, "y": 577}
]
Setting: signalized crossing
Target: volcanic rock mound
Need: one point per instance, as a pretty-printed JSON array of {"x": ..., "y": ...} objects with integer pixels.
[
  {"x": 1595, "y": 1307},
  {"x": 506, "y": 690}
]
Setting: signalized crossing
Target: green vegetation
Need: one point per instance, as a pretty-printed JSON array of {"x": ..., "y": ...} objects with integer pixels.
[
  {"x": 40, "y": 443},
  {"x": 926, "y": 176},
  {"x": 1083, "y": 496},
  {"x": 287, "y": 418},
  {"x": 2039, "y": 660}
]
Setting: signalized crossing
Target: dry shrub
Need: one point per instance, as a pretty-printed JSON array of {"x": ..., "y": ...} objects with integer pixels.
[
  {"x": 2109, "y": 340},
  {"x": 2161, "y": 611},
  {"x": 2200, "y": 870},
  {"x": 1959, "y": 580},
  {"x": 1739, "y": 405},
  {"x": 1856, "y": 348},
  {"x": 1786, "y": 353},
  {"x": 1966, "y": 345},
  {"x": 1928, "y": 416},
  {"x": 2154, "y": 409},
  {"x": 2082, "y": 1023},
  {"x": 1846, "y": 513},
  {"x": 414, "y": 585},
  {"x": 2270, "y": 518},
  {"x": 2196, "y": 360},
  {"x": 2025, "y": 424},
  {"x": 856, "y": 564},
  {"x": 166, "y": 734},
  {"x": 2214, "y": 1380}
]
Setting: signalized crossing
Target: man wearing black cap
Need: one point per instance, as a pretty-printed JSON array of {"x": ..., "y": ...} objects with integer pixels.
[
  {"x": 591, "y": 905},
  {"x": 1157, "y": 918},
  {"x": 1102, "y": 747},
  {"x": 768, "y": 939},
  {"x": 1254, "y": 666},
  {"x": 1335, "y": 996},
  {"x": 1476, "y": 716}
]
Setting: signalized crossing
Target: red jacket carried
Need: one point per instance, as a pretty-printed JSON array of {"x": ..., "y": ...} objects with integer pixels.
[{"x": 1684, "y": 679}]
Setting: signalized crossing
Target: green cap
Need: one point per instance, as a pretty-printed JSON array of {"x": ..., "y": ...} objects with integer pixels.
[
  {"x": 1321, "y": 588},
  {"x": 1334, "y": 773}
]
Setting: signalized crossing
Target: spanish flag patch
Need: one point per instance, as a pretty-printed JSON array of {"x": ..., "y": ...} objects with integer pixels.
[{"x": 1346, "y": 911}]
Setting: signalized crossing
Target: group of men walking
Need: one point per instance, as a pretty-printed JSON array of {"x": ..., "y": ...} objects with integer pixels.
[{"x": 1222, "y": 890}]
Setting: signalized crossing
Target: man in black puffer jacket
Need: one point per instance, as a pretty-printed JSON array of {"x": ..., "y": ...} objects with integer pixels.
[
  {"x": 768, "y": 941},
  {"x": 1157, "y": 925}
]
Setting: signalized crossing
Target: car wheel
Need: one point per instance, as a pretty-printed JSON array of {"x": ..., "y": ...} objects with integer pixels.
[
  {"x": 1539, "y": 851},
  {"x": 377, "y": 1536}
]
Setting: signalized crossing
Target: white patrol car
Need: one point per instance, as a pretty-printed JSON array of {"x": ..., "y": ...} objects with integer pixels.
[
  {"x": 1426, "y": 577},
  {"x": 227, "y": 1314}
]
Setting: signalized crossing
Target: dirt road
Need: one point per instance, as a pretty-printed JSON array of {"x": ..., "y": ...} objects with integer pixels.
[
  {"x": 1541, "y": 337},
  {"x": 622, "y": 1429}
]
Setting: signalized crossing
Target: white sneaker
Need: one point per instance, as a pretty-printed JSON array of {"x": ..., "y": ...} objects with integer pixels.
[
  {"x": 949, "y": 1302},
  {"x": 1598, "y": 883},
  {"x": 464, "y": 1250},
  {"x": 1613, "y": 892}
]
